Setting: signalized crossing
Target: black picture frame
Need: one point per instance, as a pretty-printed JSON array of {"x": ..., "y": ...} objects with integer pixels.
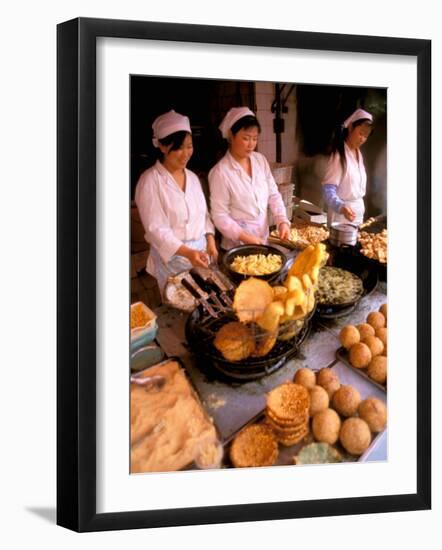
[{"x": 76, "y": 273}]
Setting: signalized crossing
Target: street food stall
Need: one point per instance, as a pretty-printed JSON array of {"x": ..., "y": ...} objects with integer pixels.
[{"x": 276, "y": 356}]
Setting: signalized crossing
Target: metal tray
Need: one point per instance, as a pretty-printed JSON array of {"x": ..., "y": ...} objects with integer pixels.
[
  {"x": 342, "y": 355},
  {"x": 367, "y": 388}
]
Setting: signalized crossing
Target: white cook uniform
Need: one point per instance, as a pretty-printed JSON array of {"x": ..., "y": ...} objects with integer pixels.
[
  {"x": 171, "y": 217},
  {"x": 350, "y": 186},
  {"x": 239, "y": 202}
]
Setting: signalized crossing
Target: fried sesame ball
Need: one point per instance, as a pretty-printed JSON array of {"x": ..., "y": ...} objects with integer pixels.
[
  {"x": 377, "y": 369},
  {"x": 381, "y": 333},
  {"x": 319, "y": 400},
  {"x": 355, "y": 435},
  {"x": 346, "y": 400},
  {"x": 349, "y": 336},
  {"x": 375, "y": 344},
  {"x": 305, "y": 377},
  {"x": 328, "y": 379},
  {"x": 365, "y": 330},
  {"x": 376, "y": 319},
  {"x": 360, "y": 355},
  {"x": 326, "y": 425},
  {"x": 374, "y": 412},
  {"x": 383, "y": 310}
]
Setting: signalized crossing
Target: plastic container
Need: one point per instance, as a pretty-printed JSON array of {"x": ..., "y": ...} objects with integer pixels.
[{"x": 144, "y": 334}]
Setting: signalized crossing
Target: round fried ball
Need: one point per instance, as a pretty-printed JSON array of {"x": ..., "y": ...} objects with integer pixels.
[
  {"x": 381, "y": 333},
  {"x": 326, "y": 425},
  {"x": 374, "y": 412},
  {"x": 349, "y": 336},
  {"x": 376, "y": 319},
  {"x": 360, "y": 355},
  {"x": 377, "y": 369},
  {"x": 328, "y": 379},
  {"x": 346, "y": 400},
  {"x": 383, "y": 310},
  {"x": 355, "y": 435},
  {"x": 305, "y": 377},
  {"x": 319, "y": 400},
  {"x": 375, "y": 344},
  {"x": 365, "y": 330}
]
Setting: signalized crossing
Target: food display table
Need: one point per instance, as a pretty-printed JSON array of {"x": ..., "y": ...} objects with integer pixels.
[{"x": 233, "y": 404}]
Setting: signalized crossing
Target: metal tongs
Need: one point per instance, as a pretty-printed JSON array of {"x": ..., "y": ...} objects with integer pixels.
[
  {"x": 199, "y": 297},
  {"x": 210, "y": 287}
]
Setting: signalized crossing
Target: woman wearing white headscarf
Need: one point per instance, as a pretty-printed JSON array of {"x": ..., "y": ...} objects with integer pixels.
[
  {"x": 242, "y": 186},
  {"x": 345, "y": 179},
  {"x": 172, "y": 206}
]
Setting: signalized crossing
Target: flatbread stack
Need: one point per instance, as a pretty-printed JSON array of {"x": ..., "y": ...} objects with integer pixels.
[
  {"x": 287, "y": 413},
  {"x": 254, "y": 446}
]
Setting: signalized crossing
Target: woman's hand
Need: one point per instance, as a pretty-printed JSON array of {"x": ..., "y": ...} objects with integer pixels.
[
  {"x": 284, "y": 230},
  {"x": 211, "y": 248},
  {"x": 247, "y": 238},
  {"x": 198, "y": 258},
  {"x": 348, "y": 213}
]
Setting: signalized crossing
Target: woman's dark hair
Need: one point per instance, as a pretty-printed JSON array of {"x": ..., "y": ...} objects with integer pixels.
[
  {"x": 245, "y": 122},
  {"x": 340, "y": 136},
  {"x": 176, "y": 140}
]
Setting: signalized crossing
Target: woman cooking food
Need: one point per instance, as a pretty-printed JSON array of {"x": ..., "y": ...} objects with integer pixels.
[
  {"x": 172, "y": 206},
  {"x": 345, "y": 178},
  {"x": 242, "y": 186}
]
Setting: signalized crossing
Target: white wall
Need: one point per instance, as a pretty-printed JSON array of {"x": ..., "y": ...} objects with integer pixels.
[{"x": 27, "y": 217}]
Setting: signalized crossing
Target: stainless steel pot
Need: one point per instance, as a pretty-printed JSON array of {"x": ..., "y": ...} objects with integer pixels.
[{"x": 343, "y": 234}]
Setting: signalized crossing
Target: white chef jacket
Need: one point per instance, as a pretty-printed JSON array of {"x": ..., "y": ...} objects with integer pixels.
[
  {"x": 350, "y": 186},
  {"x": 239, "y": 202},
  {"x": 170, "y": 218}
]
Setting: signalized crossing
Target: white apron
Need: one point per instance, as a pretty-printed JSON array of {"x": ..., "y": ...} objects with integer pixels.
[
  {"x": 351, "y": 188},
  {"x": 162, "y": 271}
]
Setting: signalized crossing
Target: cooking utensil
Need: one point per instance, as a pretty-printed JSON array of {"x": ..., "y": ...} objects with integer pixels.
[
  {"x": 249, "y": 250},
  {"x": 224, "y": 296},
  {"x": 343, "y": 234},
  {"x": 202, "y": 283},
  {"x": 199, "y": 297}
]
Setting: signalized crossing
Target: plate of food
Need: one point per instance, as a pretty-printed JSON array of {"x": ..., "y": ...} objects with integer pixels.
[
  {"x": 302, "y": 234},
  {"x": 338, "y": 288},
  {"x": 261, "y": 261}
]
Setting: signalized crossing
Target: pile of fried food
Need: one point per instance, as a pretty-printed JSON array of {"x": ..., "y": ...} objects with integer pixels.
[
  {"x": 314, "y": 409},
  {"x": 256, "y": 264},
  {"x": 303, "y": 234},
  {"x": 263, "y": 310},
  {"x": 366, "y": 345},
  {"x": 139, "y": 315},
  {"x": 374, "y": 245}
]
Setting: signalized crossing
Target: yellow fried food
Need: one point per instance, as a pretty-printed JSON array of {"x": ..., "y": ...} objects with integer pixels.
[
  {"x": 279, "y": 292},
  {"x": 256, "y": 264},
  {"x": 298, "y": 267},
  {"x": 269, "y": 320},
  {"x": 251, "y": 299},
  {"x": 293, "y": 283}
]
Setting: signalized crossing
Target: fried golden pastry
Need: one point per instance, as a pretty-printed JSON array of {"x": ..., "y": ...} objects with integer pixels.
[
  {"x": 375, "y": 345},
  {"x": 305, "y": 377},
  {"x": 360, "y": 355},
  {"x": 328, "y": 379},
  {"x": 319, "y": 400},
  {"x": 376, "y": 319},
  {"x": 377, "y": 369},
  {"x": 365, "y": 330},
  {"x": 251, "y": 299},
  {"x": 235, "y": 341},
  {"x": 374, "y": 412},
  {"x": 349, "y": 336},
  {"x": 381, "y": 333},
  {"x": 288, "y": 401},
  {"x": 264, "y": 346},
  {"x": 383, "y": 310},
  {"x": 326, "y": 425},
  {"x": 254, "y": 446},
  {"x": 346, "y": 400},
  {"x": 355, "y": 436}
]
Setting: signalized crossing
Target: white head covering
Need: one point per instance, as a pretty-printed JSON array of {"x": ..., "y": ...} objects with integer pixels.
[
  {"x": 232, "y": 116},
  {"x": 357, "y": 115},
  {"x": 167, "y": 124}
]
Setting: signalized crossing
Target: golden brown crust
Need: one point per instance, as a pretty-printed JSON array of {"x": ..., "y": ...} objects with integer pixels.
[
  {"x": 235, "y": 341},
  {"x": 288, "y": 401},
  {"x": 355, "y": 436},
  {"x": 254, "y": 446}
]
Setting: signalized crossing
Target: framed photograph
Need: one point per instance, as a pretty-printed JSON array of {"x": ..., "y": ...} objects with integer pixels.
[{"x": 127, "y": 455}]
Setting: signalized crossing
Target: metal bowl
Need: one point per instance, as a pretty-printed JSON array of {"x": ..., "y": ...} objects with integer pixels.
[
  {"x": 249, "y": 250},
  {"x": 343, "y": 234}
]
